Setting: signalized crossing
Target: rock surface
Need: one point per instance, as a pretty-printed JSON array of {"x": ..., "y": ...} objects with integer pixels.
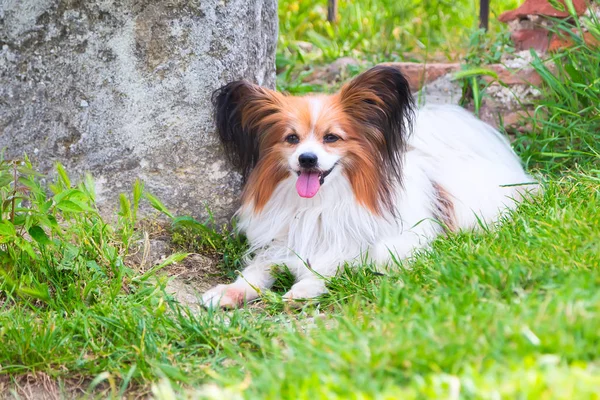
[
  {"x": 419, "y": 74},
  {"x": 443, "y": 90},
  {"x": 534, "y": 25},
  {"x": 122, "y": 89}
]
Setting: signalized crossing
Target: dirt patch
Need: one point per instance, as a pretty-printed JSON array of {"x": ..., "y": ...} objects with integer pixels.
[
  {"x": 39, "y": 386},
  {"x": 190, "y": 278},
  {"x": 193, "y": 276}
]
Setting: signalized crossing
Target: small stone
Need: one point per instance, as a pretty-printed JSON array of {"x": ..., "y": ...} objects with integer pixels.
[
  {"x": 520, "y": 59},
  {"x": 514, "y": 76},
  {"x": 537, "y": 39},
  {"x": 342, "y": 64},
  {"x": 333, "y": 72},
  {"x": 306, "y": 47},
  {"x": 84, "y": 104},
  {"x": 444, "y": 90},
  {"x": 557, "y": 42},
  {"x": 418, "y": 74}
]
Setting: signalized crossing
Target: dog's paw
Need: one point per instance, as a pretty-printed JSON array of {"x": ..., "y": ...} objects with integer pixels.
[
  {"x": 306, "y": 289},
  {"x": 224, "y": 296}
]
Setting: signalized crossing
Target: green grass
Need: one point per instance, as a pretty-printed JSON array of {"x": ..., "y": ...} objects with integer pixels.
[
  {"x": 382, "y": 29},
  {"x": 374, "y": 31},
  {"x": 481, "y": 309},
  {"x": 566, "y": 122},
  {"x": 219, "y": 242},
  {"x": 509, "y": 312}
]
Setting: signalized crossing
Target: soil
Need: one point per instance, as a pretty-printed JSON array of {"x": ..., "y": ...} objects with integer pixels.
[
  {"x": 189, "y": 278},
  {"x": 192, "y": 277},
  {"x": 40, "y": 386}
]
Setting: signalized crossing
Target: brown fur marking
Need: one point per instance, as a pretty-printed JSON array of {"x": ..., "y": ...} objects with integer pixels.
[{"x": 445, "y": 208}]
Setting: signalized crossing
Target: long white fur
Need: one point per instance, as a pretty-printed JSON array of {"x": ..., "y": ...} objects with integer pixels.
[{"x": 449, "y": 147}]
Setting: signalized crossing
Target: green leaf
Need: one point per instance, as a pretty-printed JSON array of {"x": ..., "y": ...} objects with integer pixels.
[
  {"x": 38, "y": 234},
  {"x": 188, "y": 222},
  {"x": 90, "y": 186},
  {"x": 157, "y": 204},
  {"x": 469, "y": 73},
  {"x": 25, "y": 246},
  {"x": 29, "y": 222},
  {"x": 173, "y": 258},
  {"x": 33, "y": 187},
  {"x": 20, "y": 220},
  {"x": 5, "y": 179},
  {"x": 125, "y": 383},
  {"x": 7, "y": 231},
  {"x": 93, "y": 266},
  {"x": 138, "y": 192},
  {"x": 45, "y": 206},
  {"x": 73, "y": 200},
  {"x": 70, "y": 253},
  {"x": 571, "y": 8},
  {"x": 555, "y": 154},
  {"x": 69, "y": 206},
  {"x": 23, "y": 170},
  {"x": 62, "y": 174},
  {"x": 53, "y": 221},
  {"x": 17, "y": 199},
  {"x": 557, "y": 5},
  {"x": 124, "y": 206},
  {"x": 79, "y": 195},
  {"x": 64, "y": 195},
  {"x": 41, "y": 292},
  {"x": 47, "y": 221},
  {"x": 477, "y": 97},
  {"x": 574, "y": 74},
  {"x": 172, "y": 372}
]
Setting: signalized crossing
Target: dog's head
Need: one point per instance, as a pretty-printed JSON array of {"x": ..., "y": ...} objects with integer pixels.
[{"x": 357, "y": 134}]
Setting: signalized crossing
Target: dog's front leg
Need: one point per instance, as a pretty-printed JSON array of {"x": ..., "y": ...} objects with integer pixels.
[
  {"x": 311, "y": 280},
  {"x": 254, "y": 278}
]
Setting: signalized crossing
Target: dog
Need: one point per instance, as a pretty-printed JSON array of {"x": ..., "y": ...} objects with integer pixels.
[{"x": 360, "y": 176}]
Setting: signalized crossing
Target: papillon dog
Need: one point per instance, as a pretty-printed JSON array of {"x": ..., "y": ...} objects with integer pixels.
[{"x": 360, "y": 176}]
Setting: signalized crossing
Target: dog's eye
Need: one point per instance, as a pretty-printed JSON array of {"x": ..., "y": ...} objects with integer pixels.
[
  {"x": 292, "y": 139},
  {"x": 330, "y": 138}
]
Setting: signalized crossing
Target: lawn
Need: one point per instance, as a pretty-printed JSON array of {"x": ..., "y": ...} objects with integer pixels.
[
  {"x": 373, "y": 31},
  {"x": 381, "y": 30},
  {"x": 508, "y": 312}
]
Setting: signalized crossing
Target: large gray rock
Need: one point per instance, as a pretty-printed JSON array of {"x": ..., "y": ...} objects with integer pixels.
[{"x": 122, "y": 89}]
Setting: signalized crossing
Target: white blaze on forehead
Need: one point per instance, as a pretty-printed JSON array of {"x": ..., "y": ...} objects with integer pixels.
[
  {"x": 317, "y": 108},
  {"x": 315, "y": 105}
]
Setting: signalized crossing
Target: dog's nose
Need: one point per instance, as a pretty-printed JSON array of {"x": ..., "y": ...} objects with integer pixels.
[{"x": 308, "y": 160}]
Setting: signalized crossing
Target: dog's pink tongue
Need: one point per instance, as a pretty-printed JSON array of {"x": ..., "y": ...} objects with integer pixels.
[{"x": 308, "y": 184}]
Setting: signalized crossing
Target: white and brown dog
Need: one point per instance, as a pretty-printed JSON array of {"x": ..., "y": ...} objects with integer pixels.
[{"x": 354, "y": 177}]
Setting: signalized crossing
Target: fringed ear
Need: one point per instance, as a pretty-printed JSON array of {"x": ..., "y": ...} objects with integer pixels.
[
  {"x": 380, "y": 103},
  {"x": 241, "y": 114}
]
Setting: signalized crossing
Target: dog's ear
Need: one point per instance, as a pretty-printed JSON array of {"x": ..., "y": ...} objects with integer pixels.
[
  {"x": 241, "y": 114},
  {"x": 380, "y": 102}
]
